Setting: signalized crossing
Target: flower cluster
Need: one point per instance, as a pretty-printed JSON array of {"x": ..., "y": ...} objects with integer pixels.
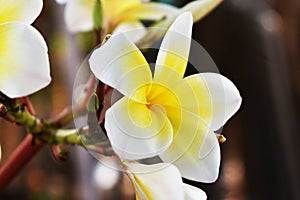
[{"x": 161, "y": 114}]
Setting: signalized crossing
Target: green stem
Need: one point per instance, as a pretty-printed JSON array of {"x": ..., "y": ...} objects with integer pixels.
[
  {"x": 45, "y": 131},
  {"x": 70, "y": 136},
  {"x": 24, "y": 118}
]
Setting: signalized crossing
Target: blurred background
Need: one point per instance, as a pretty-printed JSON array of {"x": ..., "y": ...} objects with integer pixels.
[{"x": 255, "y": 43}]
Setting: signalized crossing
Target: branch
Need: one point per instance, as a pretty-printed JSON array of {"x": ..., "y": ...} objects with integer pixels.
[{"x": 20, "y": 157}]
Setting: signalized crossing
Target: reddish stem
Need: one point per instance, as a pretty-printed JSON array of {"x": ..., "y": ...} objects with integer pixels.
[
  {"x": 20, "y": 157},
  {"x": 29, "y": 105},
  {"x": 89, "y": 92},
  {"x": 97, "y": 37},
  {"x": 66, "y": 116}
]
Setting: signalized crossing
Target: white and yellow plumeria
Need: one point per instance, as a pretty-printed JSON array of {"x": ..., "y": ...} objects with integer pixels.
[
  {"x": 125, "y": 15},
  {"x": 24, "y": 63},
  {"x": 167, "y": 115},
  {"x": 161, "y": 181},
  {"x": 117, "y": 14}
]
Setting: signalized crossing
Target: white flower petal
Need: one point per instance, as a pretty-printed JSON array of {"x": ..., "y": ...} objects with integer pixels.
[
  {"x": 149, "y": 11},
  {"x": 194, "y": 150},
  {"x": 174, "y": 51},
  {"x": 158, "y": 181},
  {"x": 120, "y": 64},
  {"x": 137, "y": 132},
  {"x": 20, "y": 10},
  {"x": 79, "y": 15},
  {"x": 225, "y": 97},
  {"x": 200, "y": 8},
  {"x": 193, "y": 193},
  {"x": 211, "y": 96},
  {"x": 61, "y": 1},
  {"x": 24, "y": 64},
  {"x": 134, "y": 30}
]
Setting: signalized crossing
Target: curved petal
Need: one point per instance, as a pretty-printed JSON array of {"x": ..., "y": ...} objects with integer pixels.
[
  {"x": 193, "y": 193},
  {"x": 20, "y": 10},
  {"x": 137, "y": 132},
  {"x": 194, "y": 150},
  {"x": 112, "y": 9},
  {"x": 149, "y": 11},
  {"x": 61, "y": 1},
  {"x": 133, "y": 30},
  {"x": 174, "y": 51},
  {"x": 212, "y": 97},
  {"x": 24, "y": 64},
  {"x": 161, "y": 181},
  {"x": 79, "y": 15},
  {"x": 224, "y": 96},
  {"x": 200, "y": 8},
  {"x": 120, "y": 64}
]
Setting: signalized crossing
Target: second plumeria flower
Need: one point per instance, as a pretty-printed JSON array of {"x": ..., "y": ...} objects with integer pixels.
[
  {"x": 116, "y": 14},
  {"x": 167, "y": 115},
  {"x": 125, "y": 16},
  {"x": 24, "y": 63}
]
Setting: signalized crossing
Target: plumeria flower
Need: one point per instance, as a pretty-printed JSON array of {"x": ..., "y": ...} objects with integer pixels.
[
  {"x": 24, "y": 64},
  {"x": 116, "y": 14},
  {"x": 125, "y": 15},
  {"x": 167, "y": 115},
  {"x": 161, "y": 181}
]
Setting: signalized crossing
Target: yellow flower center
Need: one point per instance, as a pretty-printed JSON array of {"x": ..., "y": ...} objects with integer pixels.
[
  {"x": 158, "y": 98},
  {"x": 161, "y": 95}
]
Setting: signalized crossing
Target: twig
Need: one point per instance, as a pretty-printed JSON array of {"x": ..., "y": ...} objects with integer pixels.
[
  {"x": 20, "y": 157},
  {"x": 28, "y": 105},
  {"x": 22, "y": 154},
  {"x": 66, "y": 115}
]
